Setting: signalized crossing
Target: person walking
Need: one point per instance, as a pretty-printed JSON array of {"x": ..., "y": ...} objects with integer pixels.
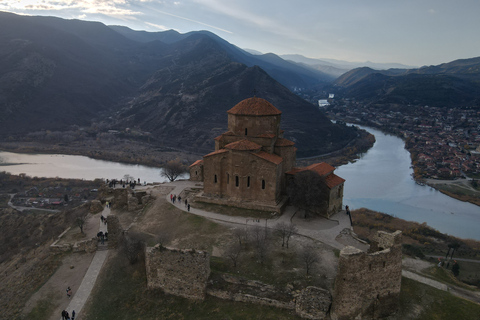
[
  {"x": 349, "y": 215},
  {"x": 67, "y": 316},
  {"x": 186, "y": 202},
  {"x": 73, "y": 314},
  {"x": 63, "y": 314},
  {"x": 69, "y": 293},
  {"x": 188, "y": 207}
]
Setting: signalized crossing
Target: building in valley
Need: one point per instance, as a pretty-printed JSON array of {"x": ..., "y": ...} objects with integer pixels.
[{"x": 251, "y": 160}]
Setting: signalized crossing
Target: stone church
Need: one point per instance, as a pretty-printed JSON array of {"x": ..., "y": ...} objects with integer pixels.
[{"x": 252, "y": 160}]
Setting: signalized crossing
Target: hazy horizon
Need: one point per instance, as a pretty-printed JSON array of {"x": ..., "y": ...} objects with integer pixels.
[{"x": 409, "y": 32}]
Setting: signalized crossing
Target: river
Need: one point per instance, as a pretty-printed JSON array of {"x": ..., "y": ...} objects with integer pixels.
[
  {"x": 75, "y": 167},
  {"x": 380, "y": 180}
]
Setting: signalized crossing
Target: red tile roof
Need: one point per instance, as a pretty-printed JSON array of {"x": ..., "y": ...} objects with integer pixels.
[
  {"x": 321, "y": 168},
  {"x": 254, "y": 107},
  {"x": 215, "y": 152},
  {"x": 243, "y": 145},
  {"x": 281, "y": 142},
  {"x": 269, "y": 157},
  {"x": 333, "y": 180},
  {"x": 196, "y": 162},
  {"x": 228, "y": 133},
  {"x": 267, "y": 135}
]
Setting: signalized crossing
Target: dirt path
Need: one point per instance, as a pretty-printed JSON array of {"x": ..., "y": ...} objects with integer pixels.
[{"x": 71, "y": 273}]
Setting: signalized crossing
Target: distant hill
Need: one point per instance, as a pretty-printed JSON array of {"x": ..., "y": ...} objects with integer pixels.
[
  {"x": 56, "y": 73},
  {"x": 338, "y": 67},
  {"x": 187, "y": 101},
  {"x": 456, "y": 83},
  {"x": 291, "y": 75}
]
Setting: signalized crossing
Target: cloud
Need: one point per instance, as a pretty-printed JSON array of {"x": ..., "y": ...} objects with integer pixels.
[
  {"x": 157, "y": 26},
  {"x": 191, "y": 20},
  {"x": 105, "y": 7},
  {"x": 432, "y": 11},
  {"x": 250, "y": 18}
]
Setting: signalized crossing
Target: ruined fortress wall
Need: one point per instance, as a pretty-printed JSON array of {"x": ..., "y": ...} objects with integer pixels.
[
  {"x": 368, "y": 284},
  {"x": 115, "y": 231},
  {"x": 179, "y": 272}
]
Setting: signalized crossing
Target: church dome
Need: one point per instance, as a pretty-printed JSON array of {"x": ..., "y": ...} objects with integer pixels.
[{"x": 254, "y": 107}]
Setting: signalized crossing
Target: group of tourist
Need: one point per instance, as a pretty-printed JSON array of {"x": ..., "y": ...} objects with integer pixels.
[
  {"x": 132, "y": 183},
  {"x": 173, "y": 199},
  {"x": 66, "y": 315}
]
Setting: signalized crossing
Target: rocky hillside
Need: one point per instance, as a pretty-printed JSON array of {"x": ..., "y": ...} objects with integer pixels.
[{"x": 58, "y": 74}]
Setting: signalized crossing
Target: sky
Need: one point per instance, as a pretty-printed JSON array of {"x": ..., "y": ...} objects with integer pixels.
[{"x": 411, "y": 32}]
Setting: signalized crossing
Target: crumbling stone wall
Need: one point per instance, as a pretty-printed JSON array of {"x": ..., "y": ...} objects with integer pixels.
[
  {"x": 179, "y": 272},
  {"x": 120, "y": 198},
  {"x": 313, "y": 303},
  {"x": 368, "y": 284},
  {"x": 115, "y": 231}
]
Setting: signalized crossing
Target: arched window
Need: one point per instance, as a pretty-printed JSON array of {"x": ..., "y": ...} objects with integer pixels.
[
  {"x": 248, "y": 182},
  {"x": 245, "y": 131},
  {"x": 215, "y": 179},
  {"x": 236, "y": 181},
  {"x": 263, "y": 184},
  {"x": 228, "y": 178}
]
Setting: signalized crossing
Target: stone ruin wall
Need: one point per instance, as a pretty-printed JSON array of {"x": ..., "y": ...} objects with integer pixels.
[
  {"x": 368, "y": 284},
  {"x": 115, "y": 231},
  {"x": 179, "y": 272}
]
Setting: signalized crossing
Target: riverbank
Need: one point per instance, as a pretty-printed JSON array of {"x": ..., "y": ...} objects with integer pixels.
[
  {"x": 123, "y": 151},
  {"x": 460, "y": 189},
  {"x": 142, "y": 153},
  {"x": 421, "y": 241}
]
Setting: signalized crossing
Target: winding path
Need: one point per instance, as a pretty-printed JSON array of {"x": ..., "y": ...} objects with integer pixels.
[{"x": 83, "y": 292}]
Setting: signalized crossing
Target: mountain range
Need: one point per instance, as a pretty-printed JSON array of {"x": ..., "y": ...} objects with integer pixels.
[
  {"x": 453, "y": 84},
  {"x": 56, "y": 74}
]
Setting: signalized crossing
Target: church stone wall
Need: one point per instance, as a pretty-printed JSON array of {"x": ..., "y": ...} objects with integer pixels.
[
  {"x": 179, "y": 272},
  {"x": 367, "y": 285},
  {"x": 335, "y": 203},
  {"x": 255, "y": 125},
  {"x": 250, "y": 171},
  {"x": 196, "y": 172}
]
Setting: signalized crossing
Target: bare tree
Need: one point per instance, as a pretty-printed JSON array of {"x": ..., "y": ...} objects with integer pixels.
[
  {"x": 308, "y": 191},
  {"x": 308, "y": 256},
  {"x": 172, "y": 169},
  {"x": 285, "y": 231},
  {"x": 259, "y": 238},
  {"x": 241, "y": 235},
  {"x": 80, "y": 221},
  {"x": 233, "y": 252}
]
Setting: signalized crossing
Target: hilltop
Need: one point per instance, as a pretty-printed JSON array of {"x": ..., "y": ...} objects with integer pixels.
[{"x": 172, "y": 90}]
